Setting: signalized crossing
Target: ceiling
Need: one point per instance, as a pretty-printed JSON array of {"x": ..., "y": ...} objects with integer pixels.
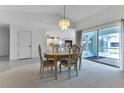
[{"x": 73, "y": 12}]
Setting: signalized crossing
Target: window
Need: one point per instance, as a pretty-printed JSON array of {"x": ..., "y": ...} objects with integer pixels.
[{"x": 114, "y": 44}]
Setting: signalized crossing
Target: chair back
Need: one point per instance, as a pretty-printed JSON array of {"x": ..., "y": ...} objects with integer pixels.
[
  {"x": 40, "y": 54},
  {"x": 73, "y": 54}
]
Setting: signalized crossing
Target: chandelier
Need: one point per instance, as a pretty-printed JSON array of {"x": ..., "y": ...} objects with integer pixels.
[{"x": 64, "y": 23}]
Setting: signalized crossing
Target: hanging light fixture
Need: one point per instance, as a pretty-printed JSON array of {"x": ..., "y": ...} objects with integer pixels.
[{"x": 64, "y": 23}]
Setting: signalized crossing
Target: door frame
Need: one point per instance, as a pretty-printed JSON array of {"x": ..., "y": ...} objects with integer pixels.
[{"x": 18, "y": 45}]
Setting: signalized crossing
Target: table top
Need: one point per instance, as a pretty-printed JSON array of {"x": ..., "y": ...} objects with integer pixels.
[{"x": 57, "y": 53}]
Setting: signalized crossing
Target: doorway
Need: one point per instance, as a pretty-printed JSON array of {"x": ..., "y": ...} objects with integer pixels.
[{"x": 24, "y": 44}]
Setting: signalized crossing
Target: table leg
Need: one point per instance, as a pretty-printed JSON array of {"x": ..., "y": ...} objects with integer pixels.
[{"x": 55, "y": 64}]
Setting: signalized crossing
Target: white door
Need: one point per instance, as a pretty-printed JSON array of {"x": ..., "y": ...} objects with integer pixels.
[{"x": 24, "y": 44}]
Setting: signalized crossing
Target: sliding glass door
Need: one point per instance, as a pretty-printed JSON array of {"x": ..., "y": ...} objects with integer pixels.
[
  {"x": 109, "y": 45},
  {"x": 102, "y": 45}
]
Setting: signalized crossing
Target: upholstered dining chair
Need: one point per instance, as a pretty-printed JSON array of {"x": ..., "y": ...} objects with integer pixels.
[
  {"x": 72, "y": 60},
  {"x": 80, "y": 55},
  {"x": 44, "y": 63}
]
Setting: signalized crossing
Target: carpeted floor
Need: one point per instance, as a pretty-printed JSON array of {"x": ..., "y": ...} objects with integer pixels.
[
  {"x": 92, "y": 75},
  {"x": 106, "y": 60}
]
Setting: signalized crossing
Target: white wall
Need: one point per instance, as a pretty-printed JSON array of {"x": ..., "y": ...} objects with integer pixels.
[
  {"x": 13, "y": 43},
  {"x": 38, "y": 37},
  {"x": 63, "y": 35},
  {"x": 4, "y": 40},
  {"x": 107, "y": 15}
]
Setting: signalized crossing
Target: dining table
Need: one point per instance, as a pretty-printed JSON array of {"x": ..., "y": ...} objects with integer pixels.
[{"x": 57, "y": 56}]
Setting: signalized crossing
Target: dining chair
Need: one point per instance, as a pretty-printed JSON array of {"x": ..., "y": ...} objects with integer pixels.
[
  {"x": 72, "y": 60},
  {"x": 44, "y": 63},
  {"x": 80, "y": 55}
]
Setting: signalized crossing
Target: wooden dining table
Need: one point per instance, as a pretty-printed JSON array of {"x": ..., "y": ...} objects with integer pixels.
[{"x": 57, "y": 56}]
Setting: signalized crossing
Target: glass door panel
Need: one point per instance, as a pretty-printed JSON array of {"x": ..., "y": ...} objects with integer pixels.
[
  {"x": 89, "y": 45},
  {"x": 109, "y": 45}
]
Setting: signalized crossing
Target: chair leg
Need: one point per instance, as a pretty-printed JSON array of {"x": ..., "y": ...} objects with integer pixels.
[
  {"x": 51, "y": 67},
  {"x": 42, "y": 72},
  {"x": 69, "y": 75},
  {"x": 40, "y": 69},
  {"x": 80, "y": 64},
  {"x": 76, "y": 70},
  {"x": 60, "y": 67},
  {"x": 47, "y": 67}
]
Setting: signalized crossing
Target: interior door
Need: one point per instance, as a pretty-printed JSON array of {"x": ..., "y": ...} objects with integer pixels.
[{"x": 24, "y": 44}]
